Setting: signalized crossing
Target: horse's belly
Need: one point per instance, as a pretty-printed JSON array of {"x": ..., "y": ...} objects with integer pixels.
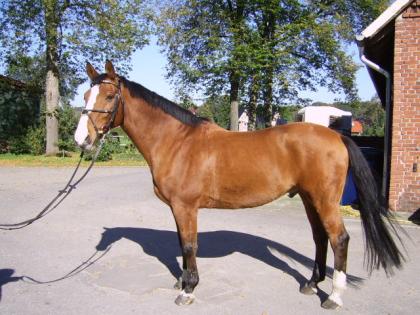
[
  {"x": 247, "y": 192},
  {"x": 249, "y": 170}
]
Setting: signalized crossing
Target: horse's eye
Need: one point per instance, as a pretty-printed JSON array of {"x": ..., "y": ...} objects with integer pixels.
[{"x": 109, "y": 98}]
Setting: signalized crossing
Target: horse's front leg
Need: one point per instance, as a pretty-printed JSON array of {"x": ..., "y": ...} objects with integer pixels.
[
  {"x": 320, "y": 238},
  {"x": 186, "y": 221},
  {"x": 180, "y": 280}
]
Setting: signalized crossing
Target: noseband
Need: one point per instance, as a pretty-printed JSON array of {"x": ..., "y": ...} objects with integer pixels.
[{"x": 101, "y": 131}]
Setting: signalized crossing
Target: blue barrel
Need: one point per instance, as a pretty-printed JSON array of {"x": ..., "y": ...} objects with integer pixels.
[
  {"x": 375, "y": 159},
  {"x": 350, "y": 194}
]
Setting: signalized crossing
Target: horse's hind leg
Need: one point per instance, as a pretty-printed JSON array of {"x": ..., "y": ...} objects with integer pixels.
[
  {"x": 186, "y": 220},
  {"x": 331, "y": 220},
  {"x": 321, "y": 244}
]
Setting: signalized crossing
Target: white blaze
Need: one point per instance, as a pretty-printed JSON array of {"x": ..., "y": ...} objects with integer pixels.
[{"x": 82, "y": 128}]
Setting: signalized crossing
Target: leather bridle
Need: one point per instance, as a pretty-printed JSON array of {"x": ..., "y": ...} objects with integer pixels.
[{"x": 113, "y": 112}]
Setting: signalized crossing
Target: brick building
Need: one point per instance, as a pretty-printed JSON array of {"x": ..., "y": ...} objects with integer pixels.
[{"x": 390, "y": 47}]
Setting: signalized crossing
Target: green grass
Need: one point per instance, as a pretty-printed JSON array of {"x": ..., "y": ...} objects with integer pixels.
[{"x": 120, "y": 159}]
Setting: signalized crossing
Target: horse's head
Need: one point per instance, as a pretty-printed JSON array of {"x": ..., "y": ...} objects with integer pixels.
[
  {"x": 109, "y": 237},
  {"x": 103, "y": 109}
]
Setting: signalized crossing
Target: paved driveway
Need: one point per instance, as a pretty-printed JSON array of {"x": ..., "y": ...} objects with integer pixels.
[{"x": 251, "y": 261}]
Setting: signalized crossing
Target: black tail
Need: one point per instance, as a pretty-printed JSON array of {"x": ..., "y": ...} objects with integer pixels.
[{"x": 380, "y": 246}]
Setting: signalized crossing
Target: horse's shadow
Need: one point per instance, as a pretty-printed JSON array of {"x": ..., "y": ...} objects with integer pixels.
[
  {"x": 164, "y": 246},
  {"x": 6, "y": 277}
]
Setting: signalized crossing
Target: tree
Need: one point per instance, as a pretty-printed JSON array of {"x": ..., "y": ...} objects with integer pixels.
[
  {"x": 185, "y": 101},
  {"x": 304, "y": 46},
  {"x": 204, "y": 43},
  {"x": 288, "y": 112},
  {"x": 217, "y": 109},
  {"x": 271, "y": 48},
  {"x": 32, "y": 71},
  {"x": 19, "y": 109},
  {"x": 370, "y": 113},
  {"x": 67, "y": 33}
]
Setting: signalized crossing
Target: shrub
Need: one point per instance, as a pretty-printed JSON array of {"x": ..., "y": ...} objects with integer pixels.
[
  {"x": 19, "y": 109},
  {"x": 67, "y": 123},
  {"x": 31, "y": 139},
  {"x": 111, "y": 145},
  {"x": 19, "y": 145},
  {"x": 35, "y": 139},
  {"x": 33, "y": 142}
]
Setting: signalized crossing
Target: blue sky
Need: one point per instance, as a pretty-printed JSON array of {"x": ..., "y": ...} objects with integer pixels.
[{"x": 149, "y": 70}]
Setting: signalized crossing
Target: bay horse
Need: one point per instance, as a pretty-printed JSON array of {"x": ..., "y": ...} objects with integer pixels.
[{"x": 197, "y": 164}]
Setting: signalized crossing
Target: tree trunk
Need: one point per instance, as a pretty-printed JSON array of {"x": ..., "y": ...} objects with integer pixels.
[
  {"x": 268, "y": 98},
  {"x": 234, "y": 101},
  {"x": 269, "y": 32},
  {"x": 252, "y": 104},
  {"x": 236, "y": 16},
  {"x": 51, "y": 98},
  {"x": 52, "y": 80}
]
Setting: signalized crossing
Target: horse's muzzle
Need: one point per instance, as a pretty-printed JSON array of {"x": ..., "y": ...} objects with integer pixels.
[{"x": 87, "y": 145}]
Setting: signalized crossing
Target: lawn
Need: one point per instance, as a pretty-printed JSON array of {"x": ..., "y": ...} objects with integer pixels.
[{"x": 118, "y": 159}]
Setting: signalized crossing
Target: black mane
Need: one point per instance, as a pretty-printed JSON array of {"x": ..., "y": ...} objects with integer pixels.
[{"x": 171, "y": 108}]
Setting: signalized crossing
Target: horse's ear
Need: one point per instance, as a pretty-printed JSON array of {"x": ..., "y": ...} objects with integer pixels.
[
  {"x": 91, "y": 72},
  {"x": 109, "y": 69}
]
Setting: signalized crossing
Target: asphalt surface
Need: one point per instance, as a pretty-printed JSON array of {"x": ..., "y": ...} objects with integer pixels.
[{"x": 251, "y": 261}]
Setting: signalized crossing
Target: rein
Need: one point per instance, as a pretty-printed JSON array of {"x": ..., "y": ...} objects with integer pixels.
[
  {"x": 63, "y": 193},
  {"x": 84, "y": 265}
]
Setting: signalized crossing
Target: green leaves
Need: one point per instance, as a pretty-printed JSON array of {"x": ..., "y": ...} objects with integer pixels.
[
  {"x": 79, "y": 30},
  {"x": 369, "y": 113},
  {"x": 18, "y": 110},
  {"x": 67, "y": 33},
  {"x": 67, "y": 126},
  {"x": 196, "y": 40},
  {"x": 292, "y": 45}
]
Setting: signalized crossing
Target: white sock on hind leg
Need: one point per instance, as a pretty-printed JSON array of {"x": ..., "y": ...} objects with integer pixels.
[{"x": 339, "y": 285}]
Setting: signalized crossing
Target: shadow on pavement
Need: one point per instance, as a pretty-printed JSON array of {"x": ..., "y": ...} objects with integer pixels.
[
  {"x": 6, "y": 277},
  {"x": 165, "y": 247}
]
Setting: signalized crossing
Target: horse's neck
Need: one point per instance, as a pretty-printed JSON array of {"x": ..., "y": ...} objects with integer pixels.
[{"x": 150, "y": 128}]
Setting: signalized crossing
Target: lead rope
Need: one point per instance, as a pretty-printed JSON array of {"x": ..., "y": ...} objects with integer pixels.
[
  {"x": 63, "y": 192},
  {"x": 84, "y": 265}
]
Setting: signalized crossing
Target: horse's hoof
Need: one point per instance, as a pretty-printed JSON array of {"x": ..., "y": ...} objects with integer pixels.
[
  {"x": 330, "y": 305},
  {"x": 307, "y": 289},
  {"x": 184, "y": 298}
]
